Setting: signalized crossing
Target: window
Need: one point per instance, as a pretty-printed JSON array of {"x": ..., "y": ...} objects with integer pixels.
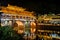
[
  {"x": 7, "y": 16},
  {"x": 17, "y": 16},
  {"x": 20, "y": 17},
  {"x": 24, "y": 17},
  {"x": 32, "y": 18},
  {"x": 13, "y": 17},
  {"x": 4, "y": 16}
]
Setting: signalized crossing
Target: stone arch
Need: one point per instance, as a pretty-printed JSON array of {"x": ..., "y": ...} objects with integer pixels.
[
  {"x": 20, "y": 23},
  {"x": 20, "y": 27},
  {"x": 33, "y": 27},
  {"x": 15, "y": 26},
  {"x": 33, "y": 24}
]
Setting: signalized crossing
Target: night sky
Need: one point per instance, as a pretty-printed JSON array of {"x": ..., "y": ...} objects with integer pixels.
[{"x": 40, "y": 7}]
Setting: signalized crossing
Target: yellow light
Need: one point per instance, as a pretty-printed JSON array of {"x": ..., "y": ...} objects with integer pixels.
[
  {"x": 33, "y": 30},
  {"x": 15, "y": 8},
  {"x": 33, "y": 25},
  {"x": 20, "y": 31},
  {"x": 19, "y": 23}
]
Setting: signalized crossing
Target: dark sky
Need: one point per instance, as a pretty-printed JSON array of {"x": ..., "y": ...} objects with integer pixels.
[{"x": 41, "y": 6}]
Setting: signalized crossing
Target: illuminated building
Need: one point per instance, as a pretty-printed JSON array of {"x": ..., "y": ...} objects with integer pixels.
[
  {"x": 49, "y": 18},
  {"x": 12, "y": 14},
  {"x": 49, "y": 29}
]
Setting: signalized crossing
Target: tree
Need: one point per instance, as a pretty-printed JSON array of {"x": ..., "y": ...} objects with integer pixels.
[{"x": 7, "y": 33}]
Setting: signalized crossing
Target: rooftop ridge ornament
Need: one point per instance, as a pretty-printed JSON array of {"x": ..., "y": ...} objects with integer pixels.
[{"x": 15, "y": 8}]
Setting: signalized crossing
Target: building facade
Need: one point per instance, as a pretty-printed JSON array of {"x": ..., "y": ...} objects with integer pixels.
[{"x": 14, "y": 14}]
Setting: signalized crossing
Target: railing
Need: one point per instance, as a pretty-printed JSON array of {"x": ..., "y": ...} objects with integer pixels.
[
  {"x": 44, "y": 36},
  {"x": 49, "y": 24}
]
